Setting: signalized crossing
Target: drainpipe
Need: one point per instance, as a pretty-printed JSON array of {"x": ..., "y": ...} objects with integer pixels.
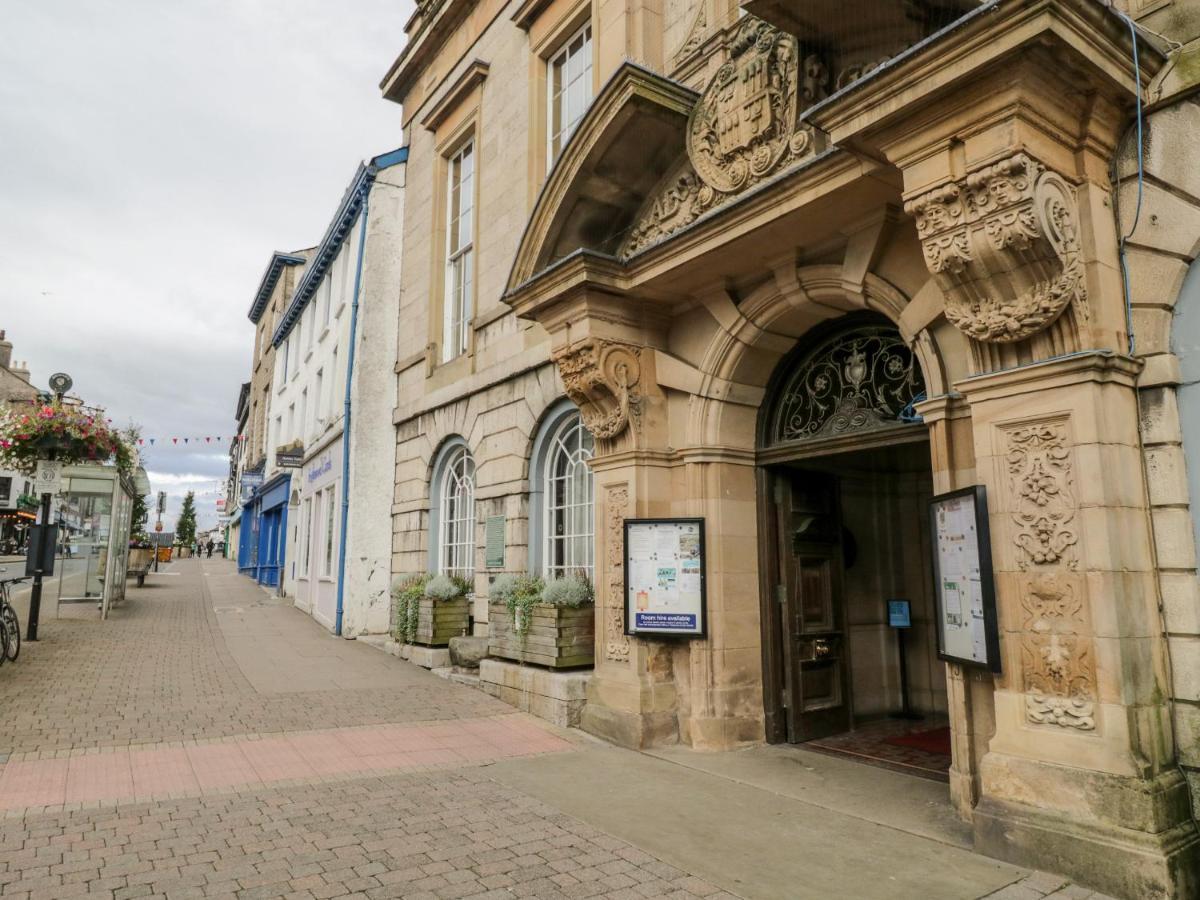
[{"x": 362, "y": 243}]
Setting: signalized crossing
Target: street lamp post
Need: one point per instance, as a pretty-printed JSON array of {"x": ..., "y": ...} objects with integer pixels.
[{"x": 60, "y": 383}]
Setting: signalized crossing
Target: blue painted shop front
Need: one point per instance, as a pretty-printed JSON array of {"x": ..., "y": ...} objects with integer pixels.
[{"x": 262, "y": 540}]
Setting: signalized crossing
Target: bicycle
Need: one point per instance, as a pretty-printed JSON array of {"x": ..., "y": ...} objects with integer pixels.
[{"x": 10, "y": 623}]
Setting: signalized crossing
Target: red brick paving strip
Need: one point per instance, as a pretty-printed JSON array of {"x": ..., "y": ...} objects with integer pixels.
[{"x": 164, "y": 771}]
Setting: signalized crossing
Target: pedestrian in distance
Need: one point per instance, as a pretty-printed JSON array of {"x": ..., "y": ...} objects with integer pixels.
[{"x": 209, "y": 547}]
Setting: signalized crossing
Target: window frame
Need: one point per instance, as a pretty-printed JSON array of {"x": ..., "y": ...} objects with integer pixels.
[
  {"x": 458, "y": 299},
  {"x": 453, "y": 542},
  {"x": 558, "y": 419},
  {"x": 563, "y": 51},
  {"x": 330, "y": 524}
]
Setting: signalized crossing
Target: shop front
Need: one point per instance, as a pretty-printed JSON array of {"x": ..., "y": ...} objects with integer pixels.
[
  {"x": 263, "y": 532},
  {"x": 318, "y": 537},
  {"x": 803, "y": 325}
]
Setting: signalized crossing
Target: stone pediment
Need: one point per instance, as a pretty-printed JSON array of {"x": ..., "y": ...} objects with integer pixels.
[
  {"x": 744, "y": 129},
  {"x": 631, "y": 137}
]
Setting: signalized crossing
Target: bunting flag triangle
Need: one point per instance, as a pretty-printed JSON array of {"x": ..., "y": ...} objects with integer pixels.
[{"x": 174, "y": 440}]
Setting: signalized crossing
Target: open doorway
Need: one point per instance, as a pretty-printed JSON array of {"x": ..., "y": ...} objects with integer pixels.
[{"x": 858, "y": 670}]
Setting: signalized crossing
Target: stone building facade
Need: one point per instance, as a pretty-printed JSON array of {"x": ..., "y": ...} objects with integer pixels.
[{"x": 800, "y": 268}]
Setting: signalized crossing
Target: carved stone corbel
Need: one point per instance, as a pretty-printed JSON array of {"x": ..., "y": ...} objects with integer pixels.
[
  {"x": 1003, "y": 245},
  {"x": 602, "y": 378}
]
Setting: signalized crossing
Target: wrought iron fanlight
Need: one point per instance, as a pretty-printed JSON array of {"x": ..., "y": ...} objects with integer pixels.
[{"x": 858, "y": 380}]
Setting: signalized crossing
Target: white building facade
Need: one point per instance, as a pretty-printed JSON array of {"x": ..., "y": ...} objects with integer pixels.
[{"x": 338, "y": 329}]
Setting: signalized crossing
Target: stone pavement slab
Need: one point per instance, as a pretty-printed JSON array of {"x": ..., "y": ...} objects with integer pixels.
[{"x": 754, "y": 842}]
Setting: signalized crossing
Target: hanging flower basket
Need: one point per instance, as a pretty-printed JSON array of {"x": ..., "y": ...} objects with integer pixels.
[{"x": 69, "y": 434}]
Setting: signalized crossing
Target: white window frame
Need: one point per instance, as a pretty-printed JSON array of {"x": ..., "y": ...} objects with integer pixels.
[
  {"x": 457, "y": 300},
  {"x": 559, "y": 94},
  {"x": 328, "y": 547},
  {"x": 568, "y": 510},
  {"x": 456, "y": 515},
  {"x": 306, "y": 536}
]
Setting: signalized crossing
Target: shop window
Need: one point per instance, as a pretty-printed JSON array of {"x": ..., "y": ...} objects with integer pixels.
[
  {"x": 454, "y": 512},
  {"x": 569, "y": 90},
  {"x": 460, "y": 207},
  {"x": 563, "y": 496}
]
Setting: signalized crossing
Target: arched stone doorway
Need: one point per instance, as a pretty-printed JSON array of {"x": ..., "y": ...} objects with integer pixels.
[{"x": 843, "y": 491}]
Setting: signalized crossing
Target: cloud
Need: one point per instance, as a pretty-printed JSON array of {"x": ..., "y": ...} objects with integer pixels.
[{"x": 152, "y": 155}]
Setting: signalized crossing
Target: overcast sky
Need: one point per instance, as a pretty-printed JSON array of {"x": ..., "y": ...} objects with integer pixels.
[{"x": 153, "y": 153}]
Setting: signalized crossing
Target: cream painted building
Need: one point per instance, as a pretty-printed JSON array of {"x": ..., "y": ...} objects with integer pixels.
[
  {"x": 334, "y": 350},
  {"x": 801, "y": 268}
]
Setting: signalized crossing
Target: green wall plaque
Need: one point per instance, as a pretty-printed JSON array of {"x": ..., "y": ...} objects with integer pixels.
[{"x": 494, "y": 542}]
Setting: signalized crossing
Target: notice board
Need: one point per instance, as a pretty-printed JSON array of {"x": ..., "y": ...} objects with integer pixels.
[
  {"x": 665, "y": 590},
  {"x": 962, "y": 579}
]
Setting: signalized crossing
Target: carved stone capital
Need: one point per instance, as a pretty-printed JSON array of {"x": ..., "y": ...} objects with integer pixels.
[
  {"x": 1003, "y": 244},
  {"x": 602, "y": 378}
]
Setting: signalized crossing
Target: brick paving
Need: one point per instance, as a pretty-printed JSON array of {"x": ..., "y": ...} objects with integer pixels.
[
  {"x": 137, "y": 759},
  {"x": 140, "y": 761},
  {"x": 426, "y": 836},
  {"x": 158, "y": 670}
]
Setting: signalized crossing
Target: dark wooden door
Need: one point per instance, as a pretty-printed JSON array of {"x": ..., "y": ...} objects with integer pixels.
[{"x": 815, "y": 670}]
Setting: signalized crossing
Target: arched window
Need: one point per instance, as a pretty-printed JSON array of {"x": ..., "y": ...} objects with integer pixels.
[
  {"x": 454, "y": 507},
  {"x": 562, "y": 501}
]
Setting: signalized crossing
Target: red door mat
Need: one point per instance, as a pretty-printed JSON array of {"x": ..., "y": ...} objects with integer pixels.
[{"x": 936, "y": 740}]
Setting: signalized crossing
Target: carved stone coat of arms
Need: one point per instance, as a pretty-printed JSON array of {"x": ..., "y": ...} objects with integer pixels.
[{"x": 745, "y": 122}]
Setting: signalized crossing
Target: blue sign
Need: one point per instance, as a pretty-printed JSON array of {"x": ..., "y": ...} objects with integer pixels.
[
  {"x": 899, "y": 614},
  {"x": 666, "y": 621}
]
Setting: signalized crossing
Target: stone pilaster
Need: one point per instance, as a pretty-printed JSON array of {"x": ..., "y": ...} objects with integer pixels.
[{"x": 1079, "y": 774}]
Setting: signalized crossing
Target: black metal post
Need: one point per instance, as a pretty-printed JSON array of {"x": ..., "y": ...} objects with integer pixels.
[{"x": 35, "y": 595}]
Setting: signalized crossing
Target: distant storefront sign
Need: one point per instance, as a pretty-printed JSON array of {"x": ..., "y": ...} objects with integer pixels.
[{"x": 250, "y": 482}]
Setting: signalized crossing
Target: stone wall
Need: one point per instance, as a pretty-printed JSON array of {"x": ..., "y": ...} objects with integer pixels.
[{"x": 1166, "y": 325}]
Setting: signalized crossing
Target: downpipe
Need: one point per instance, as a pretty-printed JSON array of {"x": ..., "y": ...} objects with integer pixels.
[{"x": 346, "y": 411}]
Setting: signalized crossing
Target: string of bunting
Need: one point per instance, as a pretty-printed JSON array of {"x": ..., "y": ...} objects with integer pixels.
[{"x": 175, "y": 441}]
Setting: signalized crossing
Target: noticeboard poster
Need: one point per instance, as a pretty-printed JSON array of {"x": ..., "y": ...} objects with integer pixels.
[
  {"x": 963, "y": 585},
  {"x": 664, "y": 577}
]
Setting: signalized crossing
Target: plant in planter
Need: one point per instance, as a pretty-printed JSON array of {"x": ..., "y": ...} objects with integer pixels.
[
  {"x": 407, "y": 593},
  {"x": 519, "y": 594},
  {"x": 547, "y": 623},
  {"x": 431, "y": 609},
  {"x": 445, "y": 610}
]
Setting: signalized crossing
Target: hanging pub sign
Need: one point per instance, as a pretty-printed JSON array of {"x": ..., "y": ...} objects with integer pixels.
[
  {"x": 962, "y": 579},
  {"x": 664, "y": 577},
  {"x": 289, "y": 457}
]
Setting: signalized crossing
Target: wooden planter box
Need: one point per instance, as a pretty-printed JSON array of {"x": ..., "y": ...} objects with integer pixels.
[
  {"x": 559, "y": 637},
  {"x": 438, "y": 622}
]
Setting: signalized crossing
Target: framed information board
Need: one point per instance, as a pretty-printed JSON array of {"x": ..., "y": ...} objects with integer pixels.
[
  {"x": 664, "y": 577},
  {"x": 962, "y": 579}
]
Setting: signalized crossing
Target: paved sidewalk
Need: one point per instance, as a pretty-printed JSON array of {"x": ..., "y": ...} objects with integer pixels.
[{"x": 209, "y": 740}]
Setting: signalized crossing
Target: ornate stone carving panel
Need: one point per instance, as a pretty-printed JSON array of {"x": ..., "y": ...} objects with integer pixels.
[
  {"x": 616, "y": 504},
  {"x": 1056, "y": 654},
  {"x": 602, "y": 378},
  {"x": 1042, "y": 498},
  {"x": 1002, "y": 243},
  {"x": 1058, "y": 670},
  {"x": 744, "y": 128}
]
